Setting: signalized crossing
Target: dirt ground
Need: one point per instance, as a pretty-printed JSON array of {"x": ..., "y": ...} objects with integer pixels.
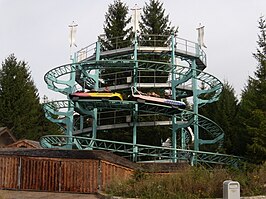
[{"x": 7, "y": 194}]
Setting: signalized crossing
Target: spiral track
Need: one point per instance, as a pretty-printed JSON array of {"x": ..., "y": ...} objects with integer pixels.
[{"x": 84, "y": 73}]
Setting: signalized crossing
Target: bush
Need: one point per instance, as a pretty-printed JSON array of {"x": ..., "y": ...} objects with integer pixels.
[{"x": 191, "y": 182}]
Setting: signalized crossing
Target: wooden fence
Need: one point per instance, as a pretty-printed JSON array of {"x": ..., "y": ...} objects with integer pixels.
[{"x": 28, "y": 171}]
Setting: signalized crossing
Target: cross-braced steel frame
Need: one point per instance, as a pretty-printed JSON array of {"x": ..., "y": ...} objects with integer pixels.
[{"x": 130, "y": 65}]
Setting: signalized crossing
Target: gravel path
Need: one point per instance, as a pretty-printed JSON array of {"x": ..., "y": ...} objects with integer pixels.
[{"x": 7, "y": 194}]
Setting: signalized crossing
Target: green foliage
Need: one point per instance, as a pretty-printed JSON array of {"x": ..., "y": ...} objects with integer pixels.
[
  {"x": 252, "y": 107},
  {"x": 154, "y": 21},
  {"x": 116, "y": 27},
  {"x": 191, "y": 182},
  {"x": 155, "y": 30},
  {"x": 19, "y": 101},
  {"x": 226, "y": 109},
  {"x": 118, "y": 34}
]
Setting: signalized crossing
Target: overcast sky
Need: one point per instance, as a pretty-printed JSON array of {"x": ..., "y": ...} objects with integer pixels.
[{"x": 37, "y": 31}]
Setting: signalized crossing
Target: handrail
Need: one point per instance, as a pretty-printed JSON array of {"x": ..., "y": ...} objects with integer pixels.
[{"x": 152, "y": 40}]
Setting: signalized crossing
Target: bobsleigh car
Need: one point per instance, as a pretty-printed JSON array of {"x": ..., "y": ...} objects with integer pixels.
[
  {"x": 95, "y": 95},
  {"x": 153, "y": 98}
]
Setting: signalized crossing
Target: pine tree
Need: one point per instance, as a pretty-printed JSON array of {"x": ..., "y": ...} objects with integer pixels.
[
  {"x": 155, "y": 30},
  {"x": 253, "y": 106},
  {"x": 118, "y": 34},
  {"x": 19, "y": 101},
  {"x": 155, "y": 22},
  {"x": 116, "y": 26}
]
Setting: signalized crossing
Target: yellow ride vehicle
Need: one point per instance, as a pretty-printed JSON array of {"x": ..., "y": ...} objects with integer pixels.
[{"x": 95, "y": 95}]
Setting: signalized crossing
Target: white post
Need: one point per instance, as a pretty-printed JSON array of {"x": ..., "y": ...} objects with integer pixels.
[{"x": 135, "y": 18}]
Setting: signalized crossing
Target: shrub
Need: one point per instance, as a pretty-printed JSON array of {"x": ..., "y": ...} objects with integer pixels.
[{"x": 190, "y": 183}]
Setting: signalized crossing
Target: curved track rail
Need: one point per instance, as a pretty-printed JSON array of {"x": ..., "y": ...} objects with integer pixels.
[{"x": 165, "y": 153}]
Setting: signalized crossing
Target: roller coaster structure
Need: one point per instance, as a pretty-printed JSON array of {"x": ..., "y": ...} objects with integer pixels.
[{"x": 121, "y": 66}]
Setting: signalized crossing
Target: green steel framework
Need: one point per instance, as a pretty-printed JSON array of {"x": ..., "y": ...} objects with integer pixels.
[{"x": 85, "y": 72}]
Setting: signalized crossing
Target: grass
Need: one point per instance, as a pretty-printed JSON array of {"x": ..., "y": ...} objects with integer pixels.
[{"x": 191, "y": 183}]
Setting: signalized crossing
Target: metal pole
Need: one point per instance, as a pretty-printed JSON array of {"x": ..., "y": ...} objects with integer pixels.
[
  {"x": 135, "y": 117},
  {"x": 195, "y": 107},
  {"x": 135, "y": 110},
  {"x": 183, "y": 136},
  {"x": 174, "y": 129},
  {"x": 135, "y": 70},
  {"x": 96, "y": 87},
  {"x": 70, "y": 116}
]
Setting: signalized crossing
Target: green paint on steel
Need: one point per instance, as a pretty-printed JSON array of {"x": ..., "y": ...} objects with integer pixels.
[
  {"x": 84, "y": 73},
  {"x": 165, "y": 153}
]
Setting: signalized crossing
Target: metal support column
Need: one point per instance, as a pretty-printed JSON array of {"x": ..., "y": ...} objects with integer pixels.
[
  {"x": 183, "y": 137},
  {"x": 135, "y": 109},
  {"x": 70, "y": 112},
  {"x": 135, "y": 148},
  {"x": 195, "y": 107},
  {"x": 96, "y": 87},
  {"x": 173, "y": 75}
]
